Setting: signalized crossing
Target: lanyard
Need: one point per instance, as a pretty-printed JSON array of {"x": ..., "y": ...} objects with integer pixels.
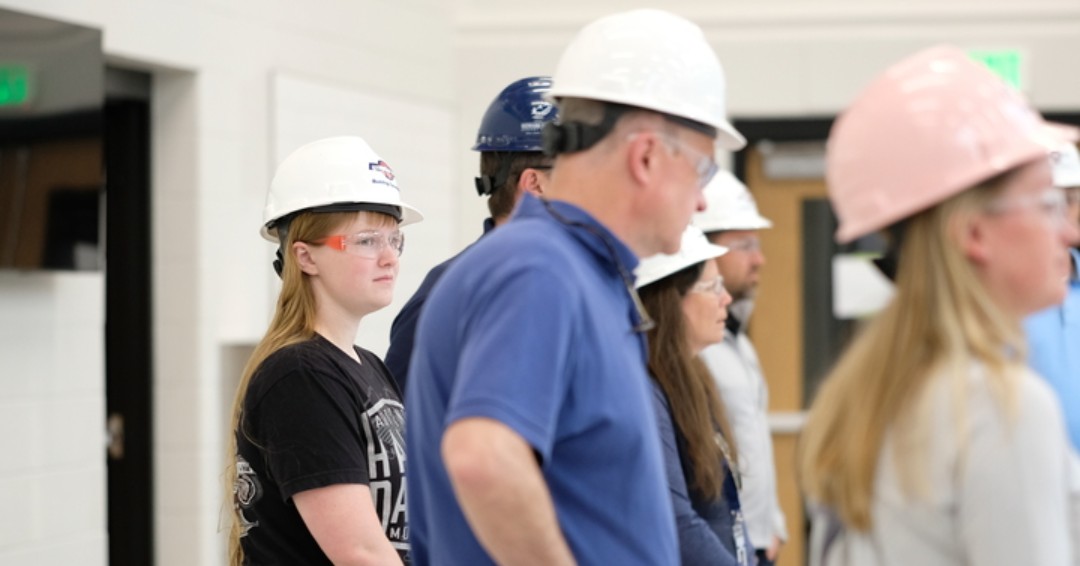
[{"x": 731, "y": 493}]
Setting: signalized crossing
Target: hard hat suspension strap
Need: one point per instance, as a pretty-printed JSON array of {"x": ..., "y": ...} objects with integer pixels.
[
  {"x": 571, "y": 137},
  {"x": 486, "y": 184}
]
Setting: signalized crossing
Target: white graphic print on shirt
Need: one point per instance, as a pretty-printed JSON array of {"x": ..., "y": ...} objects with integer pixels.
[{"x": 384, "y": 431}]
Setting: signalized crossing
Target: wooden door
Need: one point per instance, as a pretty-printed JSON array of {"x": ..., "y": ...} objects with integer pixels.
[{"x": 777, "y": 329}]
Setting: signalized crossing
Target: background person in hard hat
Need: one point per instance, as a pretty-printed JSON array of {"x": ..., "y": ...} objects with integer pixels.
[
  {"x": 731, "y": 219},
  {"x": 512, "y": 163},
  {"x": 532, "y": 437},
  {"x": 1054, "y": 334},
  {"x": 684, "y": 293},
  {"x": 931, "y": 442},
  {"x": 318, "y": 431}
]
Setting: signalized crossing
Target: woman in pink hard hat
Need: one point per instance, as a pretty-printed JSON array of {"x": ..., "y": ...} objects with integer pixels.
[{"x": 931, "y": 443}]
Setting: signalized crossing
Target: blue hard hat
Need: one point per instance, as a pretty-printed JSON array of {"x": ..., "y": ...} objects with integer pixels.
[{"x": 515, "y": 119}]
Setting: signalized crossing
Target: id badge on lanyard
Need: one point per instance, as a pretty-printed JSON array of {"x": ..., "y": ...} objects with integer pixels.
[
  {"x": 738, "y": 523},
  {"x": 738, "y": 530}
]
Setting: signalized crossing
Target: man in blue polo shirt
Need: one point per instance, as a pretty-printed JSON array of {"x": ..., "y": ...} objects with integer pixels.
[
  {"x": 1054, "y": 334},
  {"x": 512, "y": 163},
  {"x": 531, "y": 438}
]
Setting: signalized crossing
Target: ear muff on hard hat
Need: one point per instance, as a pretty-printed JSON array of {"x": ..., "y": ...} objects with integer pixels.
[
  {"x": 513, "y": 123},
  {"x": 929, "y": 127},
  {"x": 569, "y": 137},
  {"x": 577, "y": 136},
  {"x": 647, "y": 59}
]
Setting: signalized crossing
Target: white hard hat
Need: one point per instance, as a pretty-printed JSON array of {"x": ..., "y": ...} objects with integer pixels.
[
  {"x": 648, "y": 59},
  {"x": 729, "y": 206},
  {"x": 339, "y": 173},
  {"x": 695, "y": 248},
  {"x": 1065, "y": 166}
]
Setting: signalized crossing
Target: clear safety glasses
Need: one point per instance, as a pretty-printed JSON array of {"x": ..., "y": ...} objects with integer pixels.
[
  {"x": 714, "y": 286},
  {"x": 368, "y": 244},
  {"x": 749, "y": 244},
  {"x": 704, "y": 165},
  {"x": 1052, "y": 203}
]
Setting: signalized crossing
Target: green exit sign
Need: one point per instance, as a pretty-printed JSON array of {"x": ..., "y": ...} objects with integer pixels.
[
  {"x": 15, "y": 85},
  {"x": 1006, "y": 63}
]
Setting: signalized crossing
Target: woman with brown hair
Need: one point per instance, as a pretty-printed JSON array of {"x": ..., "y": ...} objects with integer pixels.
[
  {"x": 684, "y": 294},
  {"x": 931, "y": 443},
  {"x": 317, "y": 455}
]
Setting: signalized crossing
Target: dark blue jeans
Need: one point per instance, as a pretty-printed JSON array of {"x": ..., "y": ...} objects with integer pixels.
[{"x": 761, "y": 560}]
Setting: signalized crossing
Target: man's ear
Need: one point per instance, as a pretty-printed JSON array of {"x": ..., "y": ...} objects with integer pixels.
[
  {"x": 641, "y": 157},
  {"x": 530, "y": 181},
  {"x": 302, "y": 252}
]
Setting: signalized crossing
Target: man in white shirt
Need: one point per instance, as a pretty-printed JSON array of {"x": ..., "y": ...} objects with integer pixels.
[{"x": 731, "y": 219}]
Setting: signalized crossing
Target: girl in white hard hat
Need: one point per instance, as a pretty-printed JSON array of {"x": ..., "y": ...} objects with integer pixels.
[
  {"x": 685, "y": 297},
  {"x": 318, "y": 452},
  {"x": 931, "y": 443}
]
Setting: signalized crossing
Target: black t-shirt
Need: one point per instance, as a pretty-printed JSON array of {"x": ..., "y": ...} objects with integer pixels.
[{"x": 313, "y": 417}]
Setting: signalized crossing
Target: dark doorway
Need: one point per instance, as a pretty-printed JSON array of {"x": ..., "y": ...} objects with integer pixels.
[{"x": 128, "y": 318}]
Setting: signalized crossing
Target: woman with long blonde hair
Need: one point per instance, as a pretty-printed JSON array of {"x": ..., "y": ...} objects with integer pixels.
[
  {"x": 685, "y": 297},
  {"x": 317, "y": 458},
  {"x": 930, "y": 443}
]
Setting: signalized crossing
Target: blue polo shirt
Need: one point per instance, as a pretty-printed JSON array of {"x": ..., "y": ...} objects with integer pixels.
[
  {"x": 403, "y": 330},
  {"x": 533, "y": 326},
  {"x": 1054, "y": 349}
]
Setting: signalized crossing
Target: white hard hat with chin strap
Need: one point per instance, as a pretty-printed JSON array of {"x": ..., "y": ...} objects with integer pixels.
[{"x": 338, "y": 174}]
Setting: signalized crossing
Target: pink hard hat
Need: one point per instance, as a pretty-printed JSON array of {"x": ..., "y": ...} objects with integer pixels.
[{"x": 931, "y": 126}]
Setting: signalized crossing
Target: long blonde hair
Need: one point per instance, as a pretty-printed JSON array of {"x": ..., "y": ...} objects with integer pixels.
[
  {"x": 940, "y": 319},
  {"x": 293, "y": 322}
]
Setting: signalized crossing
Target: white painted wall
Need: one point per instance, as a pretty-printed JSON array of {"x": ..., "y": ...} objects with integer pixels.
[
  {"x": 213, "y": 63},
  {"x": 52, "y": 414},
  {"x": 430, "y": 67}
]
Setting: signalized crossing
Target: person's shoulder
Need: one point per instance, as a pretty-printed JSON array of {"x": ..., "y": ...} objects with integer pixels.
[
  {"x": 994, "y": 397},
  {"x": 436, "y": 272},
  {"x": 419, "y": 297},
  {"x": 722, "y": 357},
  {"x": 536, "y": 235},
  {"x": 311, "y": 357},
  {"x": 660, "y": 400},
  {"x": 1035, "y": 393},
  {"x": 522, "y": 248}
]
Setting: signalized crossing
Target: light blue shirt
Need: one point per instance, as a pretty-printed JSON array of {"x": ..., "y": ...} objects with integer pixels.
[{"x": 1054, "y": 350}]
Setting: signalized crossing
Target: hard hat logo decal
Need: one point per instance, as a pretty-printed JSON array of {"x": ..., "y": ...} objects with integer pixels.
[
  {"x": 382, "y": 167},
  {"x": 540, "y": 109}
]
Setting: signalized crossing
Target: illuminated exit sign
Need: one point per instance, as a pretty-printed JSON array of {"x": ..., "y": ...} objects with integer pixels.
[
  {"x": 15, "y": 85},
  {"x": 1005, "y": 63}
]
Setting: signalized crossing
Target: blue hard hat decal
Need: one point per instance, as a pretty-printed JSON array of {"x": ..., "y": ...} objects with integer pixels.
[{"x": 515, "y": 119}]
